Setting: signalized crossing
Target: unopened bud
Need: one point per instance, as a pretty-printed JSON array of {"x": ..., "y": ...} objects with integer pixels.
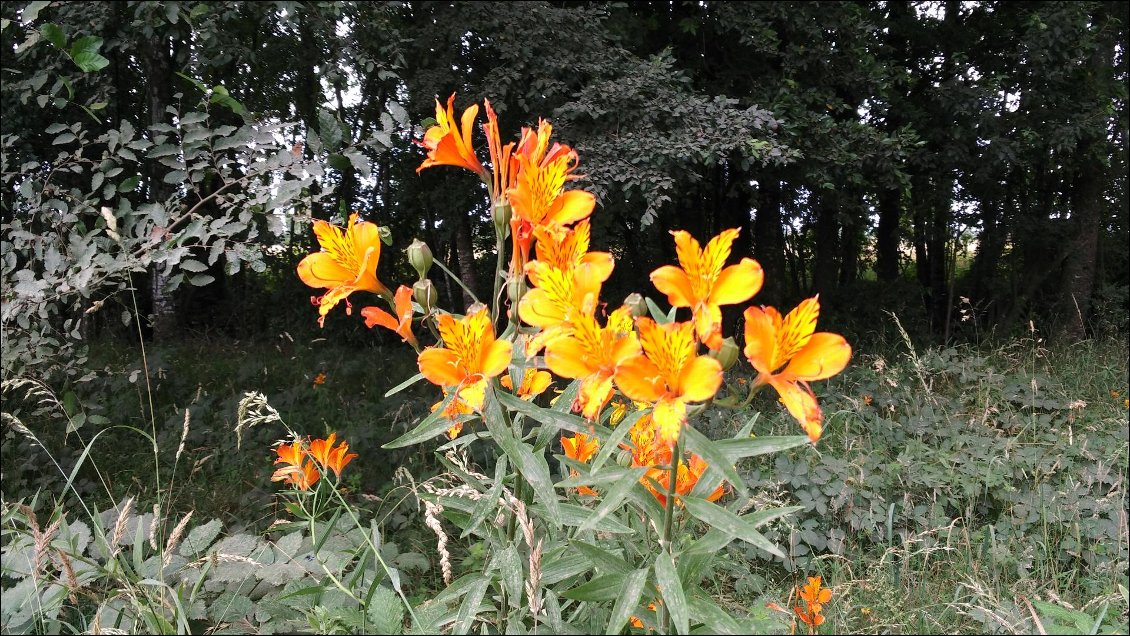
[
  {"x": 475, "y": 308},
  {"x": 420, "y": 256},
  {"x": 501, "y": 213},
  {"x": 636, "y": 305},
  {"x": 425, "y": 294},
  {"x": 514, "y": 287},
  {"x": 727, "y": 354},
  {"x": 624, "y": 458}
]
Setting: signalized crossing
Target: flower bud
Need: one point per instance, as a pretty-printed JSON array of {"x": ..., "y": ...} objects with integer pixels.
[
  {"x": 727, "y": 354},
  {"x": 501, "y": 213},
  {"x": 624, "y": 458},
  {"x": 636, "y": 305},
  {"x": 514, "y": 287},
  {"x": 425, "y": 294},
  {"x": 420, "y": 257}
]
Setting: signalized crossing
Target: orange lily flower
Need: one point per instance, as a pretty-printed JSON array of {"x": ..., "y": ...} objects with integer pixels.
[
  {"x": 773, "y": 342},
  {"x": 347, "y": 263},
  {"x": 702, "y": 284},
  {"x": 568, "y": 248},
  {"x": 559, "y": 297},
  {"x": 594, "y": 354},
  {"x": 401, "y": 323},
  {"x": 814, "y": 598},
  {"x": 468, "y": 400},
  {"x": 646, "y": 448},
  {"x": 581, "y": 447},
  {"x": 298, "y": 471},
  {"x": 669, "y": 374},
  {"x": 534, "y": 383},
  {"x": 501, "y": 159},
  {"x": 538, "y": 196},
  {"x": 688, "y": 475},
  {"x": 323, "y": 452},
  {"x": 448, "y": 145},
  {"x": 469, "y": 358}
]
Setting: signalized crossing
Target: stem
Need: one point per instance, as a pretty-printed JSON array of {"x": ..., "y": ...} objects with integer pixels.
[
  {"x": 668, "y": 521},
  {"x": 456, "y": 279},
  {"x": 500, "y": 245}
]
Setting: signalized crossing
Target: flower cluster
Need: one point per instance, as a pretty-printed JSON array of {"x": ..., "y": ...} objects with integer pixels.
[
  {"x": 305, "y": 462},
  {"x": 554, "y": 283}
]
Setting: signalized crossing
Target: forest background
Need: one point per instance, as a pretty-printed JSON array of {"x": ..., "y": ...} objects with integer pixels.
[{"x": 950, "y": 177}]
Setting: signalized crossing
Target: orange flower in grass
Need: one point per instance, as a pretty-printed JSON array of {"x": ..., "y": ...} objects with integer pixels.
[
  {"x": 347, "y": 263},
  {"x": 447, "y": 144},
  {"x": 297, "y": 471},
  {"x": 669, "y": 374},
  {"x": 773, "y": 342},
  {"x": 581, "y": 447},
  {"x": 469, "y": 358},
  {"x": 702, "y": 284},
  {"x": 814, "y": 597},
  {"x": 323, "y": 452},
  {"x": 538, "y": 196},
  {"x": 401, "y": 323},
  {"x": 593, "y": 354}
]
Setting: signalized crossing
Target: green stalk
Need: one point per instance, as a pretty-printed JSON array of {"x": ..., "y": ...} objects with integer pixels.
[{"x": 668, "y": 522}]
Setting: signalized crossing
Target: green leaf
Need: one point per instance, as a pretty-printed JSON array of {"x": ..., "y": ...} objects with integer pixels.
[
  {"x": 340, "y": 162},
  {"x": 671, "y": 588},
  {"x": 84, "y": 52},
  {"x": 627, "y": 602},
  {"x": 726, "y": 521},
  {"x": 601, "y": 558},
  {"x": 31, "y": 11},
  {"x": 329, "y": 130},
  {"x": 405, "y": 384},
  {"x": 53, "y": 34},
  {"x": 612, "y": 443},
  {"x": 714, "y": 618},
  {"x": 489, "y": 503},
  {"x": 737, "y": 448},
  {"x": 510, "y": 570},
  {"x": 715, "y": 457},
  {"x": 470, "y": 606},
  {"x": 429, "y": 427},
  {"x": 605, "y": 587},
  {"x": 551, "y": 417},
  {"x": 533, "y": 467},
  {"x": 574, "y": 515},
  {"x": 129, "y": 185},
  {"x": 612, "y": 499}
]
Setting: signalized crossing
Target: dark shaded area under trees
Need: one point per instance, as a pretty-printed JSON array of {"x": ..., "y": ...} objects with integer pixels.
[{"x": 959, "y": 164}]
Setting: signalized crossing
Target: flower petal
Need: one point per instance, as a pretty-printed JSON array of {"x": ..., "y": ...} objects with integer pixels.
[
  {"x": 496, "y": 357},
  {"x": 574, "y": 206},
  {"x": 700, "y": 379},
  {"x": 442, "y": 366},
  {"x": 737, "y": 283},
  {"x": 322, "y": 270},
  {"x": 375, "y": 316},
  {"x": 673, "y": 281},
  {"x": 641, "y": 380},
  {"x": 825, "y": 355},
  {"x": 761, "y": 338},
  {"x": 802, "y": 405}
]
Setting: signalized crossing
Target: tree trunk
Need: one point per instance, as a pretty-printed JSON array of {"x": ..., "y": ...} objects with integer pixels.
[
  {"x": 157, "y": 60},
  {"x": 887, "y": 235},
  {"x": 769, "y": 240},
  {"x": 825, "y": 268},
  {"x": 465, "y": 254}
]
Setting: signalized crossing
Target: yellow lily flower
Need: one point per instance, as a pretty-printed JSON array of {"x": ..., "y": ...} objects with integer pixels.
[
  {"x": 702, "y": 284},
  {"x": 669, "y": 374},
  {"x": 470, "y": 356},
  {"x": 773, "y": 342},
  {"x": 347, "y": 263},
  {"x": 593, "y": 353}
]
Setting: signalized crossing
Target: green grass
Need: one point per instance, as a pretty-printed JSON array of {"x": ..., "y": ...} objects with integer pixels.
[{"x": 954, "y": 489}]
